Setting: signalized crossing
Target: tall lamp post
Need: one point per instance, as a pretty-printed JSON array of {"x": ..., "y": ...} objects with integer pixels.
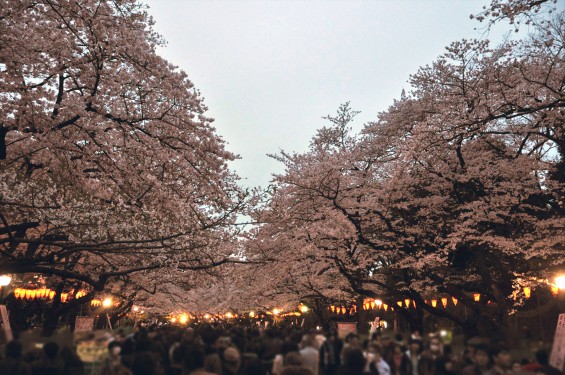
[{"x": 5, "y": 280}]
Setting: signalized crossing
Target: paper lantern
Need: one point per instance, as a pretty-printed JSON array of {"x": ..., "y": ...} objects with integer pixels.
[
  {"x": 379, "y": 303},
  {"x": 407, "y": 302},
  {"x": 343, "y": 310},
  {"x": 477, "y": 297},
  {"x": 554, "y": 290},
  {"x": 434, "y": 302},
  {"x": 17, "y": 293},
  {"x": 399, "y": 303},
  {"x": 372, "y": 304},
  {"x": 527, "y": 291},
  {"x": 444, "y": 302},
  {"x": 28, "y": 294},
  {"x": 385, "y": 306},
  {"x": 332, "y": 307},
  {"x": 454, "y": 301},
  {"x": 51, "y": 294}
]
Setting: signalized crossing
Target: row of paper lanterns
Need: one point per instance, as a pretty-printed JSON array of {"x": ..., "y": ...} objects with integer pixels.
[
  {"x": 43, "y": 293},
  {"x": 370, "y": 304}
]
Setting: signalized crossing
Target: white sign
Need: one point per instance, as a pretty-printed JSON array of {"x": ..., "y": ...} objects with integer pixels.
[
  {"x": 84, "y": 324},
  {"x": 6, "y": 323},
  {"x": 343, "y": 329},
  {"x": 557, "y": 358}
]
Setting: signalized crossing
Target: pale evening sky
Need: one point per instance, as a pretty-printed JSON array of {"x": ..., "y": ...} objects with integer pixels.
[{"x": 269, "y": 70}]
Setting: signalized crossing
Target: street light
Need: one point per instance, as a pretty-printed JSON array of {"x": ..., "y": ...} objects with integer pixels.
[
  {"x": 560, "y": 282},
  {"x": 5, "y": 280}
]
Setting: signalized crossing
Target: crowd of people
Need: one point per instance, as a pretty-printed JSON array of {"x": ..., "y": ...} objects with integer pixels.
[{"x": 215, "y": 350}]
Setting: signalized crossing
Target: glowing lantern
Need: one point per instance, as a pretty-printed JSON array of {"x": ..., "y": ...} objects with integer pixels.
[
  {"x": 64, "y": 297},
  {"x": 107, "y": 302},
  {"x": 252, "y": 314},
  {"x": 207, "y": 316},
  {"x": 95, "y": 302},
  {"x": 28, "y": 293},
  {"x": 372, "y": 304},
  {"x": 276, "y": 311},
  {"x": 554, "y": 290},
  {"x": 385, "y": 306},
  {"x": 477, "y": 297},
  {"x": 183, "y": 319},
  {"x": 17, "y": 292},
  {"x": 332, "y": 307},
  {"x": 444, "y": 302},
  {"x": 407, "y": 302},
  {"x": 229, "y": 315},
  {"x": 527, "y": 291},
  {"x": 51, "y": 294},
  {"x": 343, "y": 310},
  {"x": 434, "y": 302},
  {"x": 303, "y": 309},
  {"x": 379, "y": 303},
  {"x": 399, "y": 303},
  {"x": 414, "y": 303}
]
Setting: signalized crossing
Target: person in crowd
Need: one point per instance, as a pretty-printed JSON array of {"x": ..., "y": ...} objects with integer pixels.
[
  {"x": 113, "y": 362},
  {"x": 231, "y": 361},
  {"x": 294, "y": 364},
  {"x": 287, "y": 347},
  {"x": 378, "y": 363},
  {"x": 501, "y": 361},
  {"x": 50, "y": 363},
  {"x": 353, "y": 362},
  {"x": 542, "y": 357},
  {"x": 330, "y": 354},
  {"x": 396, "y": 361},
  {"x": 309, "y": 353},
  {"x": 411, "y": 358},
  {"x": 13, "y": 363},
  {"x": 193, "y": 363},
  {"x": 481, "y": 361}
]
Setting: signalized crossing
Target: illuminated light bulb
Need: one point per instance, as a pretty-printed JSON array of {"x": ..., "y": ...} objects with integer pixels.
[
  {"x": 183, "y": 318},
  {"x": 560, "y": 282},
  {"x": 276, "y": 311},
  {"x": 5, "y": 280}
]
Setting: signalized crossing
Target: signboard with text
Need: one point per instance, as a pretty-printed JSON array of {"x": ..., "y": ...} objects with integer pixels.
[
  {"x": 557, "y": 358},
  {"x": 5, "y": 324},
  {"x": 84, "y": 324}
]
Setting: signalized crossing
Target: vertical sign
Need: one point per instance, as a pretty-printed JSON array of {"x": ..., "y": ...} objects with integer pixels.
[
  {"x": 6, "y": 323},
  {"x": 557, "y": 358}
]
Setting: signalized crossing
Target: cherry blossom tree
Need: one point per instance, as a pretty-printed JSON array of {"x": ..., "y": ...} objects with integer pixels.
[
  {"x": 456, "y": 188},
  {"x": 108, "y": 163}
]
